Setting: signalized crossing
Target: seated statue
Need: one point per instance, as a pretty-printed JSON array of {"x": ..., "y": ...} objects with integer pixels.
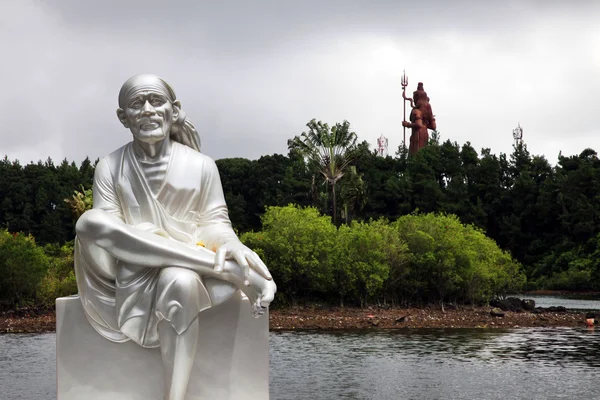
[{"x": 158, "y": 247}]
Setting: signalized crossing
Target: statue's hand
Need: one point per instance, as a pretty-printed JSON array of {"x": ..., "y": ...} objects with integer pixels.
[
  {"x": 245, "y": 257},
  {"x": 406, "y": 124}
]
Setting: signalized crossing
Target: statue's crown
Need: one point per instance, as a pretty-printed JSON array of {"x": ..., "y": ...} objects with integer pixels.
[{"x": 420, "y": 93}]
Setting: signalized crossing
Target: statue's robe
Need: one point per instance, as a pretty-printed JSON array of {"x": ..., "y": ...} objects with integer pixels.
[
  {"x": 419, "y": 136},
  {"x": 126, "y": 301}
]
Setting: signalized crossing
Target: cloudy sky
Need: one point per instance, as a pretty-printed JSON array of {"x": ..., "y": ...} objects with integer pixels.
[{"x": 251, "y": 74}]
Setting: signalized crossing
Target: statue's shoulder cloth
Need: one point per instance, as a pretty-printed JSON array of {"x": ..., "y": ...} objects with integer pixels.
[
  {"x": 194, "y": 160},
  {"x": 114, "y": 160}
]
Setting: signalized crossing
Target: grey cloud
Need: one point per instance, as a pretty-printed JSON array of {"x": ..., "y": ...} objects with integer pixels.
[{"x": 251, "y": 74}]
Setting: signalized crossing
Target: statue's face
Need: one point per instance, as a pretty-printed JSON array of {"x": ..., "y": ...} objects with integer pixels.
[{"x": 149, "y": 114}]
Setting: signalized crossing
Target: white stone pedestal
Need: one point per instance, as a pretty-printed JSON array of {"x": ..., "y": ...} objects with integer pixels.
[{"x": 232, "y": 360}]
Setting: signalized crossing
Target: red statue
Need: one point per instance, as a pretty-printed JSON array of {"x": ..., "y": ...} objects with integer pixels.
[{"x": 421, "y": 118}]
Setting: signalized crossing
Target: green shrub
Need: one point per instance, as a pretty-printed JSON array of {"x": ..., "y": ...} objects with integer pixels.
[
  {"x": 59, "y": 280},
  {"x": 417, "y": 258},
  {"x": 364, "y": 256},
  {"x": 296, "y": 244},
  {"x": 455, "y": 262},
  {"x": 22, "y": 267}
]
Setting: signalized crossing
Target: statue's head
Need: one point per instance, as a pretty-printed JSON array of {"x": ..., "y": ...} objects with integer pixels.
[
  {"x": 422, "y": 103},
  {"x": 149, "y": 108},
  {"x": 420, "y": 96}
]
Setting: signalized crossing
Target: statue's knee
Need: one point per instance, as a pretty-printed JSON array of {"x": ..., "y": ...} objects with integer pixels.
[{"x": 183, "y": 281}]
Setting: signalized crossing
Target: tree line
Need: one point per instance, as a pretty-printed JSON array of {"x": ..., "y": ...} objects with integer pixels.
[
  {"x": 32, "y": 197},
  {"x": 545, "y": 216}
]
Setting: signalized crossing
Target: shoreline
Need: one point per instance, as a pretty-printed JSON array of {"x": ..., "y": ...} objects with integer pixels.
[
  {"x": 419, "y": 317},
  {"x": 350, "y": 318}
]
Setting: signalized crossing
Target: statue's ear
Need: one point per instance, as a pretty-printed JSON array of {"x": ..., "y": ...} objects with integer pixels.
[
  {"x": 121, "y": 116},
  {"x": 176, "y": 110}
]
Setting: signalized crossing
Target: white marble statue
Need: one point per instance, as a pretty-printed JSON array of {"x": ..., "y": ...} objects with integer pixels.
[{"x": 158, "y": 247}]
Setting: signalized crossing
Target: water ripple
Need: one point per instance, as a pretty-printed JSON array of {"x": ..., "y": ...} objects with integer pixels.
[
  {"x": 435, "y": 364},
  {"x": 535, "y": 363}
]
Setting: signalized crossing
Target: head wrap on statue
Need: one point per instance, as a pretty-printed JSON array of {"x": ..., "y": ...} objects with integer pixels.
[
  {"x": 182, "y": 131},
  {"x": 420, "y": 93},
  {"x": 427, "y": 112}
]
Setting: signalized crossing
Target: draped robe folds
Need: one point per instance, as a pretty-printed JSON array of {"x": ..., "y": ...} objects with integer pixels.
[
  {"x": 420, "y": 136},
  {"x": 125, "y": 301}
]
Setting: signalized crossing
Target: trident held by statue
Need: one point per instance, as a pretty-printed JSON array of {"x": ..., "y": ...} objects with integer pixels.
[{"x": 404, "y": 83}]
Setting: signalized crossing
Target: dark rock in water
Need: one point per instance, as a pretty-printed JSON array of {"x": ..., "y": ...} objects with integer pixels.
[
  {"x": 528, "y": 304},
  {"x": 496, "y": 312},
  {"x": 509, "y": 304},
  {"x": 538, "y": 310},
  {"x": 557, "y": 309}
]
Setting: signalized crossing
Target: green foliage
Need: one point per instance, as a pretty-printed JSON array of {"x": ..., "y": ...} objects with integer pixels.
[
  {"x": 22, "y": 266},
  {"x": 417, "y": 258},
  {"x": 451, "y": 261},
  {"x": 250, "y": 186},
  {"x": 297, "y": 244},
  {"x": 353, "y": 194},
  {"x": 546, "y": 217},
  {"x": 80, "y": 202},
  {"x": 59, "y": 280},
  {"x": 32, "y": 197},
  {"x": 34, "y": 275},
  {"x": 329, "y": 149},
  {"x": 363, "y": 258}
]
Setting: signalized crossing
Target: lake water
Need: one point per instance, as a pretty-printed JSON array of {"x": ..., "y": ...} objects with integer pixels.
[
  {"x": 571, "y": 302},
  {"x": 536, "y": 363}
]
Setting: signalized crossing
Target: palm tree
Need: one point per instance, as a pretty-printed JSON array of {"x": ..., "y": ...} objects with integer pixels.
[{"x": 331, "y": 149}]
